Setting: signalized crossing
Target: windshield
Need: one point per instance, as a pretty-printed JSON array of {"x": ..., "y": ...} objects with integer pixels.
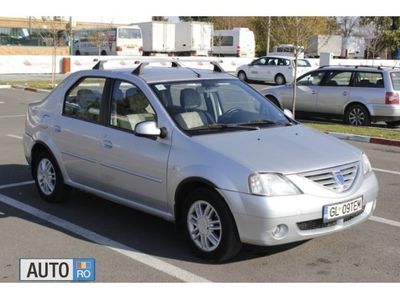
[
  {"x": 129, "y": 33},
  {"x": 208, "y": 106}
]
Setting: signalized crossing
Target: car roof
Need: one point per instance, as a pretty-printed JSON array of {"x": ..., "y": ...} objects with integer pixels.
[
  {"x": 153, "y": 74},
  {"x": 282, "y": 56}
]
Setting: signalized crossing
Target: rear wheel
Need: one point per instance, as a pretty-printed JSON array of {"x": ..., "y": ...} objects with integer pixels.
[
  {"x": 103, "y": 52},
  {"x": 77, "y": 52},
  {"x": 48, "y": 178},
  {"x": 280, "y": 79},
  {"x": 242, "y": 76},
  {"x": 357, "y": 115},
  {"x": 209, "y": 226}
]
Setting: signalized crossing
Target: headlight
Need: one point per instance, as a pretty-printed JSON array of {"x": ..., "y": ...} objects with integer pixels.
[
  {"x": 272, "y": 184},
  {"x": 366, "y": 164}
]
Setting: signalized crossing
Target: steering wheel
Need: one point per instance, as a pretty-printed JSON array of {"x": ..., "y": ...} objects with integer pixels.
[{"x": 228, "y": 114}]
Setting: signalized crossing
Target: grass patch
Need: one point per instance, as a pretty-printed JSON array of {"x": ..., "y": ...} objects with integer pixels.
[
  {"x": 38, "y": 84},
  {"x": 368, "y": 131}
]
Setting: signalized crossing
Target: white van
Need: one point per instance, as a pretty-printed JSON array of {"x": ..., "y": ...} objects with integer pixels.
[
  {"x": 193, "y": 38},
  {"x": 158, "y": 37},
  {"x": 119, "y": 40},
  {"x": 238, "y": 42}
]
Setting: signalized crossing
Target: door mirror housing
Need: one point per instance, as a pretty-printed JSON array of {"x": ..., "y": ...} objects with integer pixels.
[
  {"x": 288, "y": 113},
  {"x": 149, "y": 129}
]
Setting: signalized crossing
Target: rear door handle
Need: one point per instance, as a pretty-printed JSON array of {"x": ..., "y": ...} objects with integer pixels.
[
  {"x": 345, "y": 93},
  {"x": 107, "y": 144},
  {"x": 57, "y": 128},
  {"x": 313, "y": 92}
]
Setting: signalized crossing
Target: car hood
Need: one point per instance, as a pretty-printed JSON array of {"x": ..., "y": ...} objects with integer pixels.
[{"x": 286, "y": 150}]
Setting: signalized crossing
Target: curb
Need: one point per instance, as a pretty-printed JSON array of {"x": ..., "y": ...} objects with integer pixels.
[
  {"x": 365, "y": 139},
  {"x": 30, "y": 89}
]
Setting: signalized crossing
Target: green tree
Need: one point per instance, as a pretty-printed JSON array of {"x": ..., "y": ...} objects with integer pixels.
[
  {"x": 159, "y": 18},
  {"x": 195, "y": 19}
]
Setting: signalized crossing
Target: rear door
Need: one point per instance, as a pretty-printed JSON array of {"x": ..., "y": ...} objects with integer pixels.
[
  {"x": 334, "y": 92},
  {"x": 77, "y": 131}
]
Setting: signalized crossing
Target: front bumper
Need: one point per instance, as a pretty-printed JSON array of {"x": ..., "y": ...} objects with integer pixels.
[{"x": 256, "y": 217}]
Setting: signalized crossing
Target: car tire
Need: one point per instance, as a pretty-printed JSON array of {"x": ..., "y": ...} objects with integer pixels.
[
  {"x": 77, "y": 52},
  {"x": 393, "y": 124},
  {"x": 242, "y": 76},
  {"x": 103, "y": 52},
  {"x": 357, "y": 115},
  {"x": 48, "y": 178},
  {"x": 209, "y": 226},
  {"x": 280, "y": 79}
]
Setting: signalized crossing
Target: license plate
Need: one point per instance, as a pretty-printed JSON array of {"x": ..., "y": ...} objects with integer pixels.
[{"x": 340, "y": 210}]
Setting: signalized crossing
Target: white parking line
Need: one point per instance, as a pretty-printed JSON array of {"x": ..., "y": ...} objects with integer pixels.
[
  {"x": 14, "y": 136},
  {"x": 386, "y": 171},
  {"x": 6, "y": 186},
  {"x": 11, "y": 116},
  {"x": 384, "y": 221},
  {"x": 130, "y": 252}
]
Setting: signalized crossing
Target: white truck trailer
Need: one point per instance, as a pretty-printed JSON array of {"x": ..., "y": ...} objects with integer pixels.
[
  {"x": 193, "y": 38},
  {"x": 318, "y": 44},
  {"x": 158, "y": 37},
  {"x": 353, "y": 47},
  {"x": 237, "y": 42}
]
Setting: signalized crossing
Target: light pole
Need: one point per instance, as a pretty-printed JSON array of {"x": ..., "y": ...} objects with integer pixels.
[{"x": 268, "y": 34}]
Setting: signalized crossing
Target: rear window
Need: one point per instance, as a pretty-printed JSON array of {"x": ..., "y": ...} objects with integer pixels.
[
  {"x": 223, "y": 40},
  {"x": 368, "y": 79},
  {"x": 129, "y": 33},
  {"x": 395, "y": 80}
]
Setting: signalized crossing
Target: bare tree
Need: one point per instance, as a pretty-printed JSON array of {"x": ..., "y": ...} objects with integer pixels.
[
  {"x": 297, "y": 31},
  {"x": 100, "y": 37},
  {"x": 348, "y": 25}
]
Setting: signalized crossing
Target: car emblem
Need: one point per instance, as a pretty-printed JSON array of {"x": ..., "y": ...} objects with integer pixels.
[{"x": 339, "y": 177}]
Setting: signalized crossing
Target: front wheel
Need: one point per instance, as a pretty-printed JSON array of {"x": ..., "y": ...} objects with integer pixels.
[
  {"x": 358, "y": 115},
  {"x": 280, "y": 79},
  {"x": 48, "y": 178},
  {"x": 209, "y": 226},
  {"x": 242, "y": 76}
]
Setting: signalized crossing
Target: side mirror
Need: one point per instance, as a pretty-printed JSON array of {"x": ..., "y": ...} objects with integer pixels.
[
  {"x": 288, "y": 113},
  {"x": 149, "y": 129}
]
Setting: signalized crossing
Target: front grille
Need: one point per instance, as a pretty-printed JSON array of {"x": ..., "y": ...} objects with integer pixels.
[
  {"x": 315, "y": 224},
  {"x": 338, "y": 179},
  {"x": 319, "y": 223}
]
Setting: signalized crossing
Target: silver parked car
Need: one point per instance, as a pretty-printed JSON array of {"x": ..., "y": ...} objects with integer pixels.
[
  {"x": 200, "y": 148},
  {"x": 359, "y": 95}
]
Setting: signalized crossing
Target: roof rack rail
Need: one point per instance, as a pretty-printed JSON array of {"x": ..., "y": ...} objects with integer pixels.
[
  {"x": 359, "y": 66},
  {"x": 176, "y": 62},
  {"x": 100, "y": 62}
]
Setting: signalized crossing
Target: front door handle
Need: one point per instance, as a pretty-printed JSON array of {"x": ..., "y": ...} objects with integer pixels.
[
  {"x": 57, "y": 128},
  {"x": 107, "y": 144},
  {"x": 313, "y": 92}
]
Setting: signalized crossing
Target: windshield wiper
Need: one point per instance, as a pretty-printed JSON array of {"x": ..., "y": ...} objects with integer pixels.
[
  {"x": 259, "y": 122},
  {"x": 219, "y": 126}
]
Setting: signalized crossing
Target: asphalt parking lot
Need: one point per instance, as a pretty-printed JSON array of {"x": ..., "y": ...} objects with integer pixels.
[{"x": 130, "y": 246}]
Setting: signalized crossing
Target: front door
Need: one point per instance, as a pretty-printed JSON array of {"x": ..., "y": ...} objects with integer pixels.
[
  {"x": 134, "y": 168},
  {"x": 307, "y": 91}
]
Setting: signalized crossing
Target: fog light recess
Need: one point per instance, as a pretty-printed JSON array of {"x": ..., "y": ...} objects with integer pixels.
[{"x": 280, "y": 231}]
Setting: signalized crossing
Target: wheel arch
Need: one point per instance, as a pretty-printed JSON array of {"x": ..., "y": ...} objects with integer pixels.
[{"x": 355, "y": 102}]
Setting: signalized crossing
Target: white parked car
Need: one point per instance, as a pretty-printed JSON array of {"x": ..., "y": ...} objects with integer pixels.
[{"x": 273, "y": 69}]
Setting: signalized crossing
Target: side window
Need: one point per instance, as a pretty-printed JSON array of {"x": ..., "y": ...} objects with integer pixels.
[
  {"x": 338, "y": 78},
  {"x": 272, "y": 61},
  {"x": 368, "y": 79},
  {"x": 84, "y": 100},
  {"x": 260, "y": 62},
  {"x": 311, "y": 79},
  {"x": 283, "y": 62},
  {"x": 129, "y": 106}
]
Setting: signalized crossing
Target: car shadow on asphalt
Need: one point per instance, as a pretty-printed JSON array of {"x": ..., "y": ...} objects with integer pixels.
[{"x": 131, "y": 229}]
